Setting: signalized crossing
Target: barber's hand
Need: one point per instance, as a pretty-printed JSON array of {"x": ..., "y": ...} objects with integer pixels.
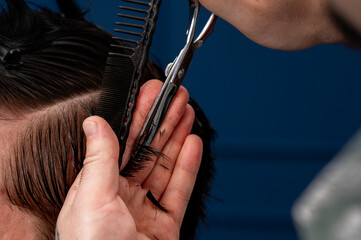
[
  {"x": 279, "y": 24},
  {"x": 103, "y": 205}
]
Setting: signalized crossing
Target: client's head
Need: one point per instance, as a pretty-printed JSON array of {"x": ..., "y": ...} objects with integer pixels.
[{"x": 45, "y": 94}]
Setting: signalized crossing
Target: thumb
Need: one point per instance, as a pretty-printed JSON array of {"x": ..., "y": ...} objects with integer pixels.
[{"x": 100, "y": 174}]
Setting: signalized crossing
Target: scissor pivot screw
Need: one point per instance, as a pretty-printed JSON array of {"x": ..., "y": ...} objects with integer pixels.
[
  {"x": 168, "y": 69},
  {"x": 181, "y": 73}
]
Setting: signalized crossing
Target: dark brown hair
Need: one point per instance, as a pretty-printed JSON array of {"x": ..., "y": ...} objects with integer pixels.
[{"x": 55, "y": 89}]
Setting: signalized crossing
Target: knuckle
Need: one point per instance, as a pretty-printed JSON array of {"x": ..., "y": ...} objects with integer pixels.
[
  {"x": 99, "y": 156},
  {"x": 183, "y": 92},
  {"x": 191, "y": 112},
  {"x": 166, "y": 164}
]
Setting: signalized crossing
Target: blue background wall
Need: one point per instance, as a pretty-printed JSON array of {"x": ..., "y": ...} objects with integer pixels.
[{"x": 280, "y": 117}]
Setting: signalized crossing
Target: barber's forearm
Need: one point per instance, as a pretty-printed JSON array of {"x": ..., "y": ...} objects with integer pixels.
[{"x": 280, "y": 24}]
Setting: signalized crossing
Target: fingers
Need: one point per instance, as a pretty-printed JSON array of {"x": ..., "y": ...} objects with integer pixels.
[
  {"x": 159, "y": 177},
  {"x": 100, "y": 174},
  {"x": 174, "y": 114},
  {"x": 180, "y": 187},
  {"x": 147, "y": 95},
  {"x": 172, "y": 118}
]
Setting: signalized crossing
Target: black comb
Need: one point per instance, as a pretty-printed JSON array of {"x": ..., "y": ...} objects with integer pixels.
[{"x": 125, "y": 65}]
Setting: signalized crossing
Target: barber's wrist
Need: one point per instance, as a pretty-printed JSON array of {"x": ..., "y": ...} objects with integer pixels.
[
  {"x": 328, "y": 31},
  {"x": 349, "y": 35}
]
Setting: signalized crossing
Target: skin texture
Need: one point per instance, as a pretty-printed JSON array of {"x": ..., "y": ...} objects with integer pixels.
[
  {"x": 11, "y": 218},
  {"x": 279, "y": 24},
  {"x": 123, "y": 211}
]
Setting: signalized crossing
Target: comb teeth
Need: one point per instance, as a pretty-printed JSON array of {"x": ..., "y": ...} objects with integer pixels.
[
  {"x": 133, "y": 9},
  {"x": 113, "y": 54},
  {"x": 131, "y": 17},
  {"x": 129, "y": 32},
  {"x": 135, "y": 23},
  {"x": 138, "y": 2},
  {"x": 122, "y": 47},
  {"x": 130, "y": 25},
  {"x": 126, "y": 40}
]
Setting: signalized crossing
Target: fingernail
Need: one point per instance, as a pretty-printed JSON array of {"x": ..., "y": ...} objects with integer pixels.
[{"x": 90, "y": 128}]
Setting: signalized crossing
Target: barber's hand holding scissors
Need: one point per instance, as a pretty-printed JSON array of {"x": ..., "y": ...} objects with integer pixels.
[
  {"x": 103, "y": 205},
  {"x": 279, "y": 24}
]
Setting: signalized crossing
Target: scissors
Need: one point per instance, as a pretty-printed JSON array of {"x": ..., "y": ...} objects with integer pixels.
[{"x": 175, "y": 73}]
